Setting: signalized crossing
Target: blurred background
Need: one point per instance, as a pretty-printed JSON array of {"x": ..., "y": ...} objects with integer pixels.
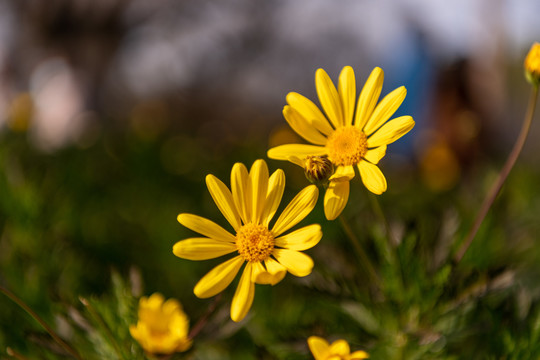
[{"x": 113, "y": 111}]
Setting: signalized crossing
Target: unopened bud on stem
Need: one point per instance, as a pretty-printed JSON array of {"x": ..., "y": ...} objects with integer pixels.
[
  {"x": 318, "y": 169},
  {"x": 532, "y": 65}
]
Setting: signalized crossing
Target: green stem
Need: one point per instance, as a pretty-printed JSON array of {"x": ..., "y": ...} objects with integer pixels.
[
  {"x": 36, "y": 317},
  {"x": 103, "y": 325},
  {"x": 490, "y": 198},
  {"x": 378, "y": 210},
  {"x": 387, "y": 246},
  {"x": 364, "y": 259}
]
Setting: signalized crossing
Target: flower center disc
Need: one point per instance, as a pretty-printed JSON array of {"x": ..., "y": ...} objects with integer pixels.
[
  {"x": 346, "y": 146},
  {"x": 254, "y": 242}
]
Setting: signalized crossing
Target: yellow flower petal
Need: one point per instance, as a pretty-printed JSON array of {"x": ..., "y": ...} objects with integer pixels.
[
  {"x": 296, "y": 160},
  {"x": 257, "y": 269},
  {"x": 240, "y": 191},
  {"x": 243, "y": 297},
  {"x": 277, "y": 270},
  {"x": 343, "y": 173},
  {"x": 223, "y": 198},
  {"x": 205, "y": 227},
  {"x": 310, "y": 112},
  {"x": 171, "y": 306},
  {"x": 271, "y": 275},
  {"x": 347, "y": 93},
  {"x": 153, "y": 302},
  {"x": 386, "y": 108},
  {"x": 202, "y": 248},
  {"x": 276, "y": 185},
  {"x": 340, "y": 347},
  {"x": 375, "y": 155},
  {"x": 368, "y": 97},
  {"x": 284, "y": 152},
  {"x": 372, "y": 177},
  {"x": 329, "y": 98},
  {"x": 391, "y": 131},
  {"x": 301, "y": 239},
  {"x": 258, "y": 177},
  {"x": 359, "y": 355},
  {"x": 297, "y": 263},
  {"x": 335, "y": 199},
  {"x": 217, "y": 279},
  {"x": 302, "y": 127},
  {"x": 297, "y": 210},
  {"x": 319, "y": 347}
]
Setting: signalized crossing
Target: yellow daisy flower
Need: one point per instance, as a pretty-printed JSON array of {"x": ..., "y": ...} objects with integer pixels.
[
  {"x": 338, "y": 350},
  {"x": 267, "y": 253},
  {"x": 347, "y": 137},
  {"x": 162, "y": 327}
]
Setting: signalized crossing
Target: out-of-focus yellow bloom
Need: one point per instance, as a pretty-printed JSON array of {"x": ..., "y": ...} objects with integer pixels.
[
  {"x": 162, "y": 327},
  {"x": 532, "y": 64},
  {"x": 21, "y": 112},
  {"x": 353, "y": 133},
  {"x": 268, "y": 254},
  {"x": 439, "y": 167},
  {"x": 338, "y": 350}
]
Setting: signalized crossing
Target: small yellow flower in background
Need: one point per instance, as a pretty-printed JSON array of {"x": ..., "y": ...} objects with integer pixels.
[
  {"x": 338, "y": 350},
  {"x": 532, "y": 64},
  {"x": 266, "y": 252},
  {"x": 21, "y": 112},
  {"x": 439, "y": 166},
  {"x": 348, "y": 137},
  {"x": 162, "y": 327}
]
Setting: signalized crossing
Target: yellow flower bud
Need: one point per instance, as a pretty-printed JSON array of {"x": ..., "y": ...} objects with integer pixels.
[
  {"x": 318, "y": 169},
  {"x": 162, "y": 327},
  {"x": 532, "y": 64}
]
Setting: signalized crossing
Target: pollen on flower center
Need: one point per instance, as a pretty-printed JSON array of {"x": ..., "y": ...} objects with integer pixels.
[
  {"x": 346, "y": 146},
  {"x": 254, "y": 242}
]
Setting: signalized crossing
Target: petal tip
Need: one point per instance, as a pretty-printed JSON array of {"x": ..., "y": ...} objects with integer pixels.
[
  {"x": 237, "y": 317},
  {"x": 379, "y": 191},
  {"x": 331, "y": 214},
  {"x": 239, "y": 165},
  {"x": 176, "y": 249},
  {"x": 197, "y": 293},
  {"x": 377, "y": 71},
  {"x": 180, "y": 218}
]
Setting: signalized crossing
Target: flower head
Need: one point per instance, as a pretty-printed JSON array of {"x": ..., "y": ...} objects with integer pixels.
[
  {"x": 532, "y": 64},
  {"x": 351, "y": 135},
  {"x": 267, "y": 252},
  {"x": 338, "y": 350},
  {"x": 162, "y": 327}
]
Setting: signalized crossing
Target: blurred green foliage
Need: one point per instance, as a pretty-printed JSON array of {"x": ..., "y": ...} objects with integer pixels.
[{"x": 78, "y": 225}]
